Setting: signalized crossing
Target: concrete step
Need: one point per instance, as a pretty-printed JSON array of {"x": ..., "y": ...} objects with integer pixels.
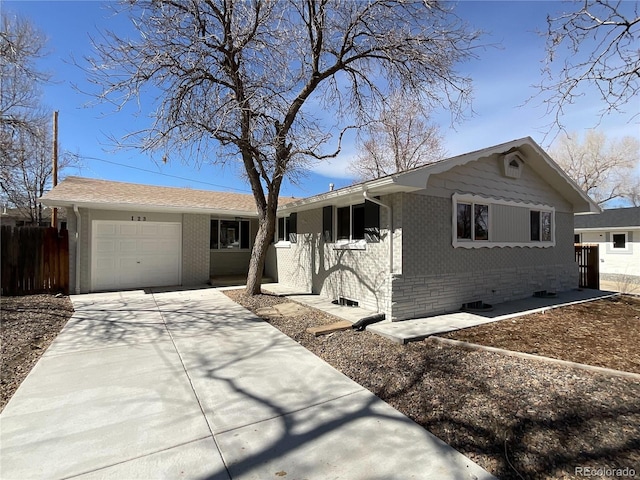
[{"x": 233, "y": 280}]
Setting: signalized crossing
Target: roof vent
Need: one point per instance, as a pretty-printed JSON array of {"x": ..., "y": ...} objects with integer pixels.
[{"x": 512, "y": 165}]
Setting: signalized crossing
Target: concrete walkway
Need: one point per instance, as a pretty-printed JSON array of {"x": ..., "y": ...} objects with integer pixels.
[
  {"x": 320, "y": 302},
  {"x": 188, "y": 384},
  {"x": 421, "y": 328}
]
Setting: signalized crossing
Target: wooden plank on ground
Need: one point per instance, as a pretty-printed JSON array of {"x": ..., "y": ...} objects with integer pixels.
[{"x": 330, "y": 328}]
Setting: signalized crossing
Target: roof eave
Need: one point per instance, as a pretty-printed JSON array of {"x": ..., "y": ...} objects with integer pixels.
[
  {"x": 606, "y": 229},
  {"x": 382, "y": 186},
  {"x": 131, "y": 207}
]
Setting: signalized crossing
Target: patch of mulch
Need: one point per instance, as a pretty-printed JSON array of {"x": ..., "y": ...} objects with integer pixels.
[
  {"x": 28, "y": 325},
  {"x": 603, "y": 333},
  {"x": 517, "y": 418}
]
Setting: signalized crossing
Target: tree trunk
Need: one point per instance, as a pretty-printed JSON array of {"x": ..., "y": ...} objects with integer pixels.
[{"x": 264, "y": 236}]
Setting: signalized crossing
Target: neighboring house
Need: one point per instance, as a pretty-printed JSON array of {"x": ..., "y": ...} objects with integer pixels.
[
  {"x": 491, "y": 226},
  {"x": 16, "y": 217},
  {"x": 488, "y": 226},
  {"x": 126, "y": 235},
  {"x": 617, "y": 234}
]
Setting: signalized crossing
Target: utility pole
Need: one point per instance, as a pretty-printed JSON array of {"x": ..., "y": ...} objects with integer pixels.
[{"x": 54, "y": 213}]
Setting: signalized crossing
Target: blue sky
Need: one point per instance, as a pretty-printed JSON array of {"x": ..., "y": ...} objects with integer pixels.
[{"x": 503, "y": 79}]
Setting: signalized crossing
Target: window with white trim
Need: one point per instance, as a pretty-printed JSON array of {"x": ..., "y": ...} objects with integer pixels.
[
  {"x": 358, "y": 222},
  {"x": 229, "y": 234},
  {"x": 540, "y": 225},
  {"x": 472, "y": 221},
  {"x": 619, "y": 241},
  {"x": 288, "y": 228},
  {"x": 485, "y": 222}
]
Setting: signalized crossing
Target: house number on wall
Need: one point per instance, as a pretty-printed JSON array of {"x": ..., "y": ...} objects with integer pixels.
[{"x": 138, "y": 219}]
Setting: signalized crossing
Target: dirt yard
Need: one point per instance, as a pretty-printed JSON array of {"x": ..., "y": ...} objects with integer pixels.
[
  {"x": 605, "y": 333},
  {"x": 517, "y": 418},
  {"x": 28, "y": 325}
]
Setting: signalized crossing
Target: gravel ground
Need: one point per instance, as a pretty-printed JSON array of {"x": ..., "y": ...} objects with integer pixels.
[
  {"x": 517, "y": 418},
  {"x": 28, "y": 325}
]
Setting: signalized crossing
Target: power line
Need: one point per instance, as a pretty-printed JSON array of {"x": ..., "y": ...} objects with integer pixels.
[{"x": 163, "y": 174}]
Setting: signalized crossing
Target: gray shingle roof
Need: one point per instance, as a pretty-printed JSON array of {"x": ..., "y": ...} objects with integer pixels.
[
  {"x": 615, "y": 217},
  {"x": 104, "y": 194}
]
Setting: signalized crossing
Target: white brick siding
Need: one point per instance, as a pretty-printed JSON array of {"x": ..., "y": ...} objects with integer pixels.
[
  {"x": 438, "y": 277},
  {"x": 430, "y": 275},
  {"x": 195, "y": 249},
  {"x": 315, "y": 266}
]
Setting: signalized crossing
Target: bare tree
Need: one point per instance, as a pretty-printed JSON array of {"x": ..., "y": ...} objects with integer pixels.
[
  {"x": 400, "y": 138},
  {"x": 605, "y": 169},
  {"x": 23, "y": 183},
  {"x": 275, "y": 83},
  {"x": 634, "y": 194},
  {"x": 21, "y": 45},
  {"x": 25, "y": 152},
  {"x": 595, "y": 45}
]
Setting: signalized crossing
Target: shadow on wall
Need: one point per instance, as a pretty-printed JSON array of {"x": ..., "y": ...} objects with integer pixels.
[{"x": 358, "y": 275}]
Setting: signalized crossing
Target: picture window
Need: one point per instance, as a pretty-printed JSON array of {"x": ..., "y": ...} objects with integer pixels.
[{"x": 229, "y": 235}]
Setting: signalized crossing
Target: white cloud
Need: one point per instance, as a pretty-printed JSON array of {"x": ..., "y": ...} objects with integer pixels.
[{"x": 334, "y": 168}]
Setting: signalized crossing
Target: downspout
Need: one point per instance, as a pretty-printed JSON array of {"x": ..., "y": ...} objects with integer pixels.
[
  {"x": 78, "y": 225},
  {"x": 365, "y": 194}
]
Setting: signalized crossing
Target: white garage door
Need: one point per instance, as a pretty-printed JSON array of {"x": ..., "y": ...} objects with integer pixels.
[{"x": 135, "y": 254}]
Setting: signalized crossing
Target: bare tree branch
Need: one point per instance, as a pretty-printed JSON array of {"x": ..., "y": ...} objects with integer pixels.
[
  {"x": 596, "y": 46},
  {"x": 256, "y": 81},
  {"x": 605, "y": 169},
  {"x": 400, "y": 138}
]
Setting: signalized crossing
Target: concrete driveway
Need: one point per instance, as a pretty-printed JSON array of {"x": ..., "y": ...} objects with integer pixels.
[{"x": 188, "y": 384}]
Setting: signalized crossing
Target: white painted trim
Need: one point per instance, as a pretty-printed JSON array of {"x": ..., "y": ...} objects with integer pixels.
[
  {"x": 282, "y": 244},
  {"x": 606, "y": 229},
  {"x": 350, "y": 245},
  {"x": 469, "y": 197},
  {"x": 484, "y": 200},
  {"x": 615, "y": 250}
]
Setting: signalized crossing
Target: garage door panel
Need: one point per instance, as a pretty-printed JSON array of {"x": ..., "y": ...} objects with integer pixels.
[
  {"x": 151, "y": 230},
  {"x": 169, "y": 230},
  {"x": 157, "y": 247},
  {"x": 128, "y": 229},
  {"x": 125, "y": 247},
  {"x": 135, "y": 254},
  {"x": 105, "y": 246},
  {"x": 106, "y": 229}
]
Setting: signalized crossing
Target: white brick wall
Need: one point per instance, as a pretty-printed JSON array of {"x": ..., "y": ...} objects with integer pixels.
[
  {"x": 313, "y": 266},
  {"x": 438, "y": 278},
  {"x": 195, "y": 249},
  {"x": 430, "y": 276},
  {"x": 425, "y": 295}
]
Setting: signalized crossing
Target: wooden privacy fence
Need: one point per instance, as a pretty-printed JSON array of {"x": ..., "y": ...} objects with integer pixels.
[
  {"x": 588, "y": 262},
  {"x": 34, "y": 260}
]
